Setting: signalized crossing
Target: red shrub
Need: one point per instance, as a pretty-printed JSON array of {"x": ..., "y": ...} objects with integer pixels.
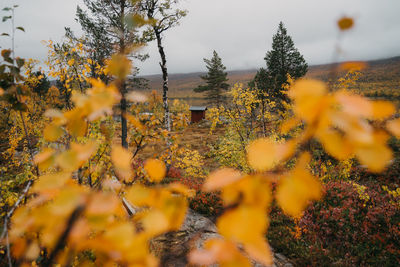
[{"x": 348, "y": 230}]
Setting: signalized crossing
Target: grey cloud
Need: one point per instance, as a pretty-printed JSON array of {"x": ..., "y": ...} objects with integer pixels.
[{"x": 240, "y": 31}]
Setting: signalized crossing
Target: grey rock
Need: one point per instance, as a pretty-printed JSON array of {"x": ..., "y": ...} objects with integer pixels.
[{"x": 172, "y": 248}]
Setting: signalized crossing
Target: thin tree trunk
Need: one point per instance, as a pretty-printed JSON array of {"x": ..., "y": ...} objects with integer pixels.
[
  {"x": 163, "y": 65},
  {"x": 263, "y": 116},
  {"x": 122, "y": 85},
  {"x": 124, "y": 125}
]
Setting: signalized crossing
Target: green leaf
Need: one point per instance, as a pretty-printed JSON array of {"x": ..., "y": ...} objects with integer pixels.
[
  {"x": 4, "y": 34},
  {"x": 6, "y": 9},
  {"x": 21, "y": 29},
  {"x": 5, "y": 18}
]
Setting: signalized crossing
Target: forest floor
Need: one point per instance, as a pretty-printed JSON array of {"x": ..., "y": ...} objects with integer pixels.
[{"x": 196, "y": 136}]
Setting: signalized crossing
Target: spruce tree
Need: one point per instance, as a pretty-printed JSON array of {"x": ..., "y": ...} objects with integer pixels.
[
  {"x": 216, "y": 79},
  {"x": 283, "y": 60}
]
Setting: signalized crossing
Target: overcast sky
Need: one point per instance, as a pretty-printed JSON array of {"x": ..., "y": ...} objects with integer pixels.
[{"x": 239, "y": 30}]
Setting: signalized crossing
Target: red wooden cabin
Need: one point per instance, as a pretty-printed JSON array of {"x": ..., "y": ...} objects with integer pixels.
[{"x": 198, "y": 113}]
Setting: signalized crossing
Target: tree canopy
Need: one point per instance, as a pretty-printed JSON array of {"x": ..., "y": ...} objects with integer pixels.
[
  {"x": 284, "y": 59},
  {"x": 215, "y": 79}
]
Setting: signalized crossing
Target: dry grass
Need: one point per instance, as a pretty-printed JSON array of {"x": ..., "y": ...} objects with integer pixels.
[{"x": 195, "y": 137}]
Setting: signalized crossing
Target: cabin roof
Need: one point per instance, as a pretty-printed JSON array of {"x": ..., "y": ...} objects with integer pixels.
[{"x": 198, "y": 108}]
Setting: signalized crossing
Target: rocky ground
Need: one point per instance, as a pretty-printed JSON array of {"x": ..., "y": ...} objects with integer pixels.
[{"x": 173, "y": 248}]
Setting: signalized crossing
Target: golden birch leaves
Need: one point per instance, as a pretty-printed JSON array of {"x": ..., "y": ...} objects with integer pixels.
[
  {"x": 245, "y": 223},
  {"x": 297, "y": 188},
  {"x": 155, "y": 169},
  {"x": 121, "y": 158},
  {"x": 221, "y": 178},
  {"x": 340, "y": 121},
  {"x": 263, "y": 154}
]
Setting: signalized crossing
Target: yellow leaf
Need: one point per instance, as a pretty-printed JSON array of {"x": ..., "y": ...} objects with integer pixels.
[
  {"x": 32, "y": 252},
  {"x": 298, "y": 188},
  {"x": 261, "y": 154},
  {"x": 289, "y": 124},
  {"x": 181, "y": 189},
  {"x": 141, "y": 196},
  {"x": 45, "y": 159},
  {"x": 76, "y": 125},
  {"x": 382, "y": 110},
  {"x": 264, "y": 154},
  {"x": 376, "y": 155},
  {"x": 75, "y": 157},
  {"x": 79, "y": 233},
  {"x": 335, "y": 144},
  {"x": 354, "y": 104},
  {"x": 221, "y": 178},
  {"x": 51, "y": 182},
  {"x": 247, "y": 225},
  {"x": 154, "y": 222},
  {"x": 218, "y": 251},
  {"x": 155, "y": 169},
  {"x": 345, "y": 23},
  {"x": 119, "y": 66},
  {"x": 84, "y": 151},
  {"x": 174, "y": 208},
  {"x": 260, "y": 251},
  {"x": 103, "y": 204},
  {"x": 356, "y": 130},
  {"x": 394, "y": 127},
  {"x": 52, "y": 132},
  {"x": 250, "y": 190},
  {"x": 120, "y": 236},
  {"x": 244, "y": 224},
  {"x": 121, "y": 158},
  {"x": 101, "y": 99},
  {"x": 309, "y": 99},
  {"x": 68, "y": 160},
  {"x": 71, "y": 62}
]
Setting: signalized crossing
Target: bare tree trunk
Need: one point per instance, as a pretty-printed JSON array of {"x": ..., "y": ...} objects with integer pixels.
[
  {"x": 124, "y": 125},
  {"x": 122, "y": 85},
  {"x": 163, "y": 65}
]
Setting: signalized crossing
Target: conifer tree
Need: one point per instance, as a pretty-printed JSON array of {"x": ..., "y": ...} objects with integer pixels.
[
  {"x": 107, "y": 30},
  {"x": 282, "y": 60},
  {"x": 216, "y": 79}
]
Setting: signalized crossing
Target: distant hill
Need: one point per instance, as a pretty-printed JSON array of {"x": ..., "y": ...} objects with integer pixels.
[
  {"x": 182, "y": 84},
  {"x": 383, "y": 74},
  {"x": 377, "y": 70}
]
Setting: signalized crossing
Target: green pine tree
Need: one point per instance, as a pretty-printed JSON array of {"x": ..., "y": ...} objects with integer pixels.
[
  {"x": 216, "y": 79},
  {"x": 282, "y": 60}
]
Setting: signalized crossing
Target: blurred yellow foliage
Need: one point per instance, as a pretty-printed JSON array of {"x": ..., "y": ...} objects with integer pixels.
[
  {"x": 155, "y": 169},
  {"x": 65, "y": 217},
  {"x": 345, "y": 23}
]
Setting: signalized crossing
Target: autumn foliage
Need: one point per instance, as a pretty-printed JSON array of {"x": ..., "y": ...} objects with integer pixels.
[{"x": 88, "y": 203}]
